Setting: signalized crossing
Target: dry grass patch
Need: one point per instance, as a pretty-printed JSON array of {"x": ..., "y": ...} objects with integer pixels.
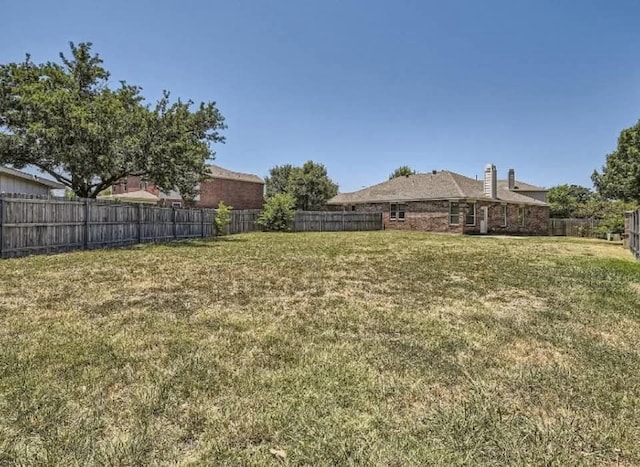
[{"x": 382, "y": 348}]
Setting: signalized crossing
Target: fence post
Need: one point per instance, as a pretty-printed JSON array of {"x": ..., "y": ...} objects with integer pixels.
[
  {"x": 175, "y": 230},
  {"x": 1, "y": 225},
  {"x": 86, "y": 224},
  {"x": 139, "y": 222},
  {"x": 202, "y": 222}
]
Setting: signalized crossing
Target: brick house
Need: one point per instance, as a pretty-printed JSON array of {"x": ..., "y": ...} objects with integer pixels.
[
  {"x": 449, "y": 202},
  {"x": 236, "y": 189}
]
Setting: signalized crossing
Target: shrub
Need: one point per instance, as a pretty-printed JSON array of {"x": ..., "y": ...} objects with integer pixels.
[
  {"x": 612, "y": 223},
  {"x": 278, "y": 213},
  {"x": 222, "y": 218}
]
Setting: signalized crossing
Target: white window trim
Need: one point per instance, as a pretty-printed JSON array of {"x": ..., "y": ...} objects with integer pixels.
[
  {"x": 522, "y": 221},
  {"x": 395, "y": 215},
  {"x": 475, "y": 214},
  {"x": 504, "y": 215},
  {"x": 451, "y": 203},
  {"x": 176, "y": 204}
]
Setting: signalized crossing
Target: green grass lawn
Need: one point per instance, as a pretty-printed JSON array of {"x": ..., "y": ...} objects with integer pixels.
[{"x": 381, "y": 348}]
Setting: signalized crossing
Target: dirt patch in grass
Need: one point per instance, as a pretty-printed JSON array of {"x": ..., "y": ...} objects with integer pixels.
[{"x": 529, "y": 352}]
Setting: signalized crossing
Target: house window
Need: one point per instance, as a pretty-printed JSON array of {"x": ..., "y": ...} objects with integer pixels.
[
  {"x": 454, "y": 213},
  {"x": 504, "y": 215},
  {"x": 470, "y": 218},
  {"x": 353, "y": 207},
  {"x": 521, "y": 216},
  {"x": 396, "y": 212},
  {"x": 176, "y": 205}
]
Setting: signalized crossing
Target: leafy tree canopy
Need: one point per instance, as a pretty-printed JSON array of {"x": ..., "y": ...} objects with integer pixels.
[
  {"x": 402, "y": 171},
  {"x": 64, "y": 119},
  {"x": 567, "y": 200},
  {"x": 278, "y": 179},
  {"x": 580, "y": 202},
  {"x": 620, "y": 177},
  {"x": 309, "y": 185}
]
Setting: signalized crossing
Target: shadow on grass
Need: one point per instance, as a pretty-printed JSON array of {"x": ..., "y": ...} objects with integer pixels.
[{"x": 186, "y": 243}]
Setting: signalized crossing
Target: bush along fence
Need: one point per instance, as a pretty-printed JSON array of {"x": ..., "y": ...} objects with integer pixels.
[
  {"x": 632, "y": 232},
  {"x": 31, "y": 225}
]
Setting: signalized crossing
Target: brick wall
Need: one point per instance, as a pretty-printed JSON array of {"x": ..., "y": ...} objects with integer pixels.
[
  {"x": 133, "y": 183},
  {"x": 430, "y": 216},
  {"x": 239, "y": 194},
  {"x": 433, "y": 216},
  {"x": 536, "y": 219}
]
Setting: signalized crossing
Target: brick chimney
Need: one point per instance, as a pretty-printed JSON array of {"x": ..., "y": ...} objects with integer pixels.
[
  {"x": 511, "y": 178},
  {"x": 491, "y": 181}
]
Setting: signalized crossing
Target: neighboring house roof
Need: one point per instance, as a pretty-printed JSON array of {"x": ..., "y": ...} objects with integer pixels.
[
  {"x": 439, "y": 185},
  {"x": 175, "y": 195},
  {"x": 520, "y": 186},
  {"x": 32, "y": 178},
  {"x": 219, "y": 172},
  {"x": 141, "y": 196}
]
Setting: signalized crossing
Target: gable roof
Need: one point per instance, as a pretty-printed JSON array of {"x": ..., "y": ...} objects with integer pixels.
[
  {"x": 520, "y": 186},
  {"x": 439, "y": 185},
  {"x": 32, "y": 178},
  {"x": 215, "y": 171},
  {"x": 139, "y": 195}
]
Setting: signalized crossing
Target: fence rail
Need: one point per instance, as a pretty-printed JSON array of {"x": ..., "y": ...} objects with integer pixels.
[{"x": 31, "y": 225}]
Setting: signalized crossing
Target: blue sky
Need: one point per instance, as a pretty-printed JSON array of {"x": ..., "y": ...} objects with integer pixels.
[{"x": 364, "y": 86}]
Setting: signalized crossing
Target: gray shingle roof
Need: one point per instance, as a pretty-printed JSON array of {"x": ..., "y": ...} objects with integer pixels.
[
  {"x": 521, "y": 186},
  {"x": 441, "y": 185},
  {"x": 32, "y": 178},
  {"x": 220, "y": 172}
]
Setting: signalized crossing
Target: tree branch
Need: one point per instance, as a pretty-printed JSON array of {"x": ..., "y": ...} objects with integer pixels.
[{"x": 60, "y": 178}]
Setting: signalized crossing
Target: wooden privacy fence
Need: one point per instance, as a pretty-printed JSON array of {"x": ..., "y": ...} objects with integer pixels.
[
  {"x": 574, "y": 227},
  {"x": 244, "y": 221},
  {"x": 29, "y": 225},
  {"x": 632, "y": 231},
  {"x": 312, "y": 221},
  {"x": 323, "y": 221}
]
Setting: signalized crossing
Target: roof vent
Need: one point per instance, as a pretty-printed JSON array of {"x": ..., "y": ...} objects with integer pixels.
[{"x": 434, "y": 172}]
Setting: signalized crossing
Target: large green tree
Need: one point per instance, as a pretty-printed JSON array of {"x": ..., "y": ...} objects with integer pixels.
[
  {"x": 402, "y": 171},
  {"x": 309, "y": 185},
  {"x": 567, "y": 200},
  {"x": 64, "y": 119},
  {"x": 620, "y": 177}
]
